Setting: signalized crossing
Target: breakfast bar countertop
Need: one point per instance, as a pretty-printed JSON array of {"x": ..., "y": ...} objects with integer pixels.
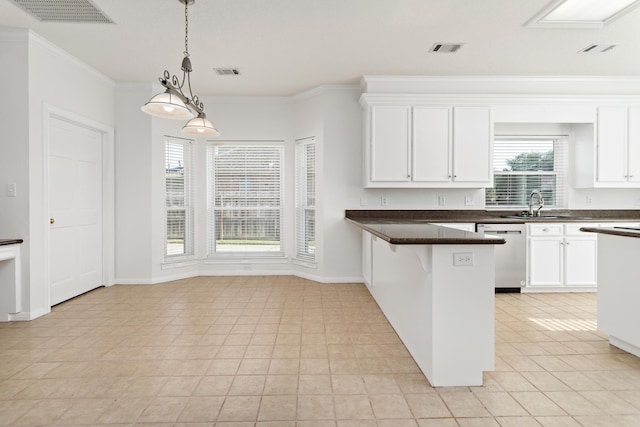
[
  {"x": 614, "y": 231},
  {"x": 5, "y": 242},
  {"x": 422, "y": 233}
]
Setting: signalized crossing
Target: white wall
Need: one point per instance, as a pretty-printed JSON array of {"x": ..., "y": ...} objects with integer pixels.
[
  {"x": 49, "y": 79},
  {"x": 14, "y": 144}
]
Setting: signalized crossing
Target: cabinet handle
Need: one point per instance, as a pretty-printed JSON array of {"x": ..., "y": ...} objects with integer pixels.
[
  {"x": 568, "y": 243},
  {"x": 408, "y": 175},
  {"x": 630, "y": 176}
]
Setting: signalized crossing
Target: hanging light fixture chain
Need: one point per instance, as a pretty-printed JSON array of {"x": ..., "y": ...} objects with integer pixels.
[{"x": 186, "y": 28}]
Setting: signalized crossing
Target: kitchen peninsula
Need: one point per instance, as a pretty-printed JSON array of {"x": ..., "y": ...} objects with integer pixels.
[
  {"x": 435, "y": 285},
  {"x": 618, "y": 285}
]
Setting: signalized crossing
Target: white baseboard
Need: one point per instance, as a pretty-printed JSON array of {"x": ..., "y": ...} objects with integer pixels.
[
  {"x": 209, "y": 273},
  {"x": 28, "y": 315},
  {"x": 558, "y": 289}
]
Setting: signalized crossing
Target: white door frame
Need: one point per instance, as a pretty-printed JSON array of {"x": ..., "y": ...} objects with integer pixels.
[{"x": 108, "y": 191}]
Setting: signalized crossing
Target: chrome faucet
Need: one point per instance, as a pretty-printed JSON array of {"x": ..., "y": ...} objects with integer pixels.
[{"x": 540, "y": 203}]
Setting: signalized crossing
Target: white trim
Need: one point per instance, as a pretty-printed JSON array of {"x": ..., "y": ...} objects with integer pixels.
[
  {"x": 496, "y": 85},
  {"x": 557, "y": 289},
  {"x": 242, "y": 258},
  {"x": 167, "y": 265},
  {"x": 108, "y": 191},
  {"x": 29, "y": 315},
  {"x": 240, "y": 273},
  {"x": 624, "y": 345},
  {"x": 306, "y": 264}
]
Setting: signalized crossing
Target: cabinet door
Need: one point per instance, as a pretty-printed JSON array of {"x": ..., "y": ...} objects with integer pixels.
[
  {"x": 580, "y": 259},
  {"x": 390, "y": 142},
  {"x": 472, "y": 145},
  {"x": 633, "y": 153},
  {"x": 545, "y": 261},
  {"x": 431, "y": 144},
  {"x": 611, "y": 145}
]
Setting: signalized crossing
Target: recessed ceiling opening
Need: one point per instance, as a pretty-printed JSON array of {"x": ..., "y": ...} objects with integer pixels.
[
  {"x": 67, "y": 11},
  {"x": 581, "y": 13}
]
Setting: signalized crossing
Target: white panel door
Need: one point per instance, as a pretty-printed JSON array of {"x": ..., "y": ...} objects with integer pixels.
[{"x": 75, "y": 204}]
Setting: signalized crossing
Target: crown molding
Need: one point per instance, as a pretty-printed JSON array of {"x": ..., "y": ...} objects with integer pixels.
[{"x": 532, "y": 85}]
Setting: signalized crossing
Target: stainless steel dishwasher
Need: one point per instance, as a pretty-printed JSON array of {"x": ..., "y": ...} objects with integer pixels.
[{"x": 511, "y": 258}]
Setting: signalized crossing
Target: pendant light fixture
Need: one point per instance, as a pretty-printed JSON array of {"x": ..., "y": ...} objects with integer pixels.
[{"x": 174, "y": 103}]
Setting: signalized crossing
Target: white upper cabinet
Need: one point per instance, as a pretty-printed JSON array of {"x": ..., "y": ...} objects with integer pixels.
[
  {"x": 390, "y": 143},
  {"x": 423, "y": 146},
  {"x": 431, "y": 144},
  {"x": 473, "y": 146},
  {"x": 614, "y": 160}
]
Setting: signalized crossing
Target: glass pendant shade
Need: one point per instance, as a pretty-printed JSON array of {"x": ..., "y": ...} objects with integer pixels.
[
  {"x": 200, "y": 127},
  {"x": 168, "y": 106}
]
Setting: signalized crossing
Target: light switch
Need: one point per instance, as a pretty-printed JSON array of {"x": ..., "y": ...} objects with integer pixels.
[{"x": 11, "y": 189}]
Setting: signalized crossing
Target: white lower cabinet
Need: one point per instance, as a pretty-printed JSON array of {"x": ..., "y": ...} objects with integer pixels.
[{"x": 560, "y": 257}]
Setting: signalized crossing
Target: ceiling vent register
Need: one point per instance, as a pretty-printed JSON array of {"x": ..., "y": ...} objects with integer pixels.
[
  {"x": 597, "y": 48},
  {"x": 227, "y": 71},
  {"x": 69, "y": 11},
  {"x": 445, "y": 47}
]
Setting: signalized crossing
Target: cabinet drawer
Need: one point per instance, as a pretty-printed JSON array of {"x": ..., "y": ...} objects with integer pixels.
[
  {"x": 549, "y": 229},
  {"x": 573, "y": 229}
]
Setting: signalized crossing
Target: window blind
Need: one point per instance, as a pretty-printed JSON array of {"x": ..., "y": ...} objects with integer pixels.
[
  {"x": 305, "y": 238},
  {"x": 178, "y": 198},
  {"x": 524, "y": 164},
  {"x": 244, "y": 199}
]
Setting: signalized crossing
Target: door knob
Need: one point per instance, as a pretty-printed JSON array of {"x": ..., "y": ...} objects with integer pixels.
[{"x": 52, "y": 221}]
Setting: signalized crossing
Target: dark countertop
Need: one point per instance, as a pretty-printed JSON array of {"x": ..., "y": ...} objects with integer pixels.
[
  {"x": 491, "y": 216},
  {"x": 5, "y": 242},
  {"x": 422, "y": 233},
  {"x": 615, "y": 231}
]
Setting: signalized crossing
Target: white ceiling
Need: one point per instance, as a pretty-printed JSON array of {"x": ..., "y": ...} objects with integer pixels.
[{"x": 284, "y": 47}]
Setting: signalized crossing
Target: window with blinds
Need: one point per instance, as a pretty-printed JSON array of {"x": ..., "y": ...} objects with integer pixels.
[
  {"x": 178, "y": 198},
  {"x": 524, "y": 164},
  {"x": 244, "y": 199},
  {"x": 305, "y": 238}
]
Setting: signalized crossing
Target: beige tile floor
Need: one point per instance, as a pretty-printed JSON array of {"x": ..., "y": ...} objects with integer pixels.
[{"x": 283, "y": 351}]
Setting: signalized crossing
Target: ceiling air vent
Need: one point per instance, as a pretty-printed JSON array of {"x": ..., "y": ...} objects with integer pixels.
[
  {"x": 597, "y": 48},
  {"x": 445, "y": 47},
  {"x": 68, "y": 11},
  {"x": 227, "y": 71}
]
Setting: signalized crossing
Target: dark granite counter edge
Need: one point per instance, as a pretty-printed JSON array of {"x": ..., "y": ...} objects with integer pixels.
[
  {"x": 612, "y": 231},
  {"x": 428, "y": 241},
  {"x": 490, "y": 216},
  {"x": 5, "y": 242}
]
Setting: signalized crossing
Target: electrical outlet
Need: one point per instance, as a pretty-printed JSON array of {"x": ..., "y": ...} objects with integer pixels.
[
  {"x": 463, "y": 259},
  {"x": 11, "y": 190},
  {"x": 588, "y": 200},
  {"x": 441, "y": 201},
  {"x": 384, "y": 200},
  {"x": 468, "y": 201}
]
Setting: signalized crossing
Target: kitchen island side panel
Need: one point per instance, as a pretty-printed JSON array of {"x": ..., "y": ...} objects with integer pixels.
[{"x": 444, "y": 314}]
